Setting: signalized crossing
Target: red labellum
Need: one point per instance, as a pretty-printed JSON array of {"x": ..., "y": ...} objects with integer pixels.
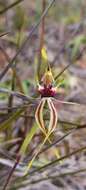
[{"x": 47, "y": 91}]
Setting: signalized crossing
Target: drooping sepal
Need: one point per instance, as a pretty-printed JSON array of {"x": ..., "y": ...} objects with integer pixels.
[{"x": 53, "y": 115}]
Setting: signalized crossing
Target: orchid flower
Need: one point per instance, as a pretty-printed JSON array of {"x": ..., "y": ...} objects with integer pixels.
[{"x": 47, "y": 92}]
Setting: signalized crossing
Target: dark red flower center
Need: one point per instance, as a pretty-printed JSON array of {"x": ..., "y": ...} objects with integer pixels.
[{"x": 47, "y": 91}]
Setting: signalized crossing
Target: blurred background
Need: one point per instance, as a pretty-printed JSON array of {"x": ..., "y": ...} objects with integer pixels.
[{"x": 64, "y": 39}]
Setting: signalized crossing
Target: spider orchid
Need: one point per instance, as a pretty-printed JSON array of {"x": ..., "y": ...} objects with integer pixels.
[{"x": 47, "y": 92}]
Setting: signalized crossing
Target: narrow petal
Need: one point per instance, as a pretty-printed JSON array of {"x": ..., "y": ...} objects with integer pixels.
[
  {"x": 39, "y": 114},
  {"x": 53, "y": 116}
]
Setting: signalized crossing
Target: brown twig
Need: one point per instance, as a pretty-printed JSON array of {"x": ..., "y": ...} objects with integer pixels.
[
  {"x": 53, "y": 177},
  {"x": 42, "y": 30},
  {"x": 11, "y": 172},
  {"x": 13, "y": 81},
  {"x": 4, "y": 34},
  {"x": 57, "y": 160},
  {"x": 15, "y": 73},
  {"x": 10, "y": 6}
]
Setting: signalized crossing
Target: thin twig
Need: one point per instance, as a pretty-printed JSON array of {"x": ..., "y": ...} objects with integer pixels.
[
  {"x": 15, "y": 72},
  {"x": 72, "y": 130},
  {"x": 65, "y": 68},
  {"x": 10, "y": 6},
  {"x": 11, "y": 172},
  {"x": 11, "y": 65},
  {"x": 13, "y": 81},
  {"x": 57, "y": 160},
  {"x": 17, "y": 94},
  {"x": 4, "y": 34},
  {"x": 41, "y": 39},
  {"x": 58, "y": 176}
]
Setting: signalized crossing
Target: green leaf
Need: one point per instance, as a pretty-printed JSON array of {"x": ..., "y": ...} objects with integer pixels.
[{"x": 28, "y": 138}]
